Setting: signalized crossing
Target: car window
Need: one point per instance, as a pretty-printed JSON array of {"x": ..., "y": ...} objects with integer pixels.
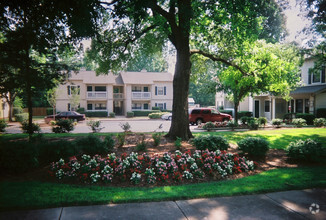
[
  {"x": 206, "y": 111},
  {"x": 195, "y": 111},
  {"x": 63, "y": 114},
  {"x": 214, "y": 111},
  {"x": 69, "y": 114}
]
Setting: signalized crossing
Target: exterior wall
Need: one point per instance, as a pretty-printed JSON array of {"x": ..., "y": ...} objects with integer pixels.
[
  {"x": 4, "y": 109},
  {"x": 305, "y": 70},
  {"x": 244, "y": 105},
  {"x": 320, "y": 100},
  {"x": 128, "y": 98},
  {"x": 168, "y": 98}
]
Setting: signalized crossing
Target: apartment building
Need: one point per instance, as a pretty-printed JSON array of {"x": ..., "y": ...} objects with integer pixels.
[
  {"x": 127, "y": 91},
  {"x": 305, "y": 99}
]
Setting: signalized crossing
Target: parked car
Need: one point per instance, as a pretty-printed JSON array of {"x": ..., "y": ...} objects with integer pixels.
[
  {"x": 75, "y": 116},
  {"x": 167, "y": 116},
  {"x": 202, "y": 115}
]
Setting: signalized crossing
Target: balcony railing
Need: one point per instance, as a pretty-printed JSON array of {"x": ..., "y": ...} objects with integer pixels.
[
  {"x": 118, "y": 95},
  {"x": 141, "y": 95},
  {"x": 96, "y": 95}
]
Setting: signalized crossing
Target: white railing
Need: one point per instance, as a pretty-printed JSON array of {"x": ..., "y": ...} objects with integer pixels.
[
  {"x": 118, "y": 95},
  {"x": 141, "y": 95},
  {"x": 96, "y": 95}
]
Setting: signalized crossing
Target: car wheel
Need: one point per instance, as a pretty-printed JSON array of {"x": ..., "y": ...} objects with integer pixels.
[
  {"x": 199, "y": 121},
  {"x": 170, "y": 118}
]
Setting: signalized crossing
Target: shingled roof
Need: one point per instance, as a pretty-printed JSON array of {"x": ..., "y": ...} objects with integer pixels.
[{"x": 309, "y": 90}]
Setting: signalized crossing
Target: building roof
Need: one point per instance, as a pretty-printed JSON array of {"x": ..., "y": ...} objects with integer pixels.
[
  {"x": 90, "y": 77},
  {"x": 309, "y": 89},
  {"x": 145, "y": 77}
]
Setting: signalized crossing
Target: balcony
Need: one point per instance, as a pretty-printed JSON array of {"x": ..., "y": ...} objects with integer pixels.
[
  {"x": 96, "y": 95},
  {"x": 141, "y": 95},
  {"x": 118, "y": 96}
]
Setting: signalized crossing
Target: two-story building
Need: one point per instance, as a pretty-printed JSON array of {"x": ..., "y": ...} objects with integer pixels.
[
  {"x": 128, "y": 91},
  {"x": 306, "y": 99}
]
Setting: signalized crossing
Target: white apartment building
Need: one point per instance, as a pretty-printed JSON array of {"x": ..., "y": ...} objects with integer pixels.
[
  {"x": 306, "y": 99},
  {"x": 128, "y": 91}
]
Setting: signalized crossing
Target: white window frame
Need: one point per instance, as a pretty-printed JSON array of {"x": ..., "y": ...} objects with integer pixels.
[{"x": 160, "y": 90}]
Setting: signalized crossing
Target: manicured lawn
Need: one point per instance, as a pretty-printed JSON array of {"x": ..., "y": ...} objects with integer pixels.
[
  {"x": 279, "y": 139},
  {"x": 32, "y": 194}
]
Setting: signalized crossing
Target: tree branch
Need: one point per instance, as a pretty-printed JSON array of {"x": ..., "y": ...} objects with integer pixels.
[{"x": 218, "y": 59}]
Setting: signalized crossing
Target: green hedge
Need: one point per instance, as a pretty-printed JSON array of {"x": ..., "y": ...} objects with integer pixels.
[
  {"x": 244, "y": 113},
  {"x": 81, "y": 110},
  {"x": 21, "y": 117},
  {"x": 321, "y": 113},
  {"x": 144, "y": 113},
  {"x": 130, "y": 114},
  {"x": 17, "y": 110},
  {"x": 96, "y": 114},
  {"x": 49, "y": 111},
  {"x": 306, "y": 116}
]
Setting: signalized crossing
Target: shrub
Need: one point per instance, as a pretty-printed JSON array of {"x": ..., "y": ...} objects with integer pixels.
[
  {"x": 299, "y": 122},
  {"x": 54, "y": 150},
  {"x": 320, "y": 122},
  {"x": 277, "y": 122},
  {"x": 253, "y": 124},
  {"x": 110, "y": 142},
  {"x": 321, "y": 113},
  {"x": 17, "y": 110},
  {"x": 210, "y": 142},
  {"x": 306, "y": 150},
  {"x": 35, "y": 127},
  {"x": 96, "y": 114},
  {"x": 262, "y": 121},
  {"x": 244, "y": 113},
  {"x": 232, "y": 124},
  {"x": 287, "y": 118},
  {"x": 18, "y": 157},
  {"x": 157, "y": 138},
  {"x": 63, "y": 126},
  {"x": 81, "y": 110},
  {"x": 3, "y": 125},
  {"x": 130, "y": 114},
  {"x": 178, "y": 143},
  {"x": 21, "y": 117},
  {"x": 308, "y": 117},
  {"x": 112, "y": 115},
  {"x": 49, "y": 111},
  {"x": 245, "y": 120},
  {"x": 141, "y": 145},
  {"x": 156, "y": 115},
  {"x": 155, "y": 108},
  {"x": 95, "y": 126},
  {"x": 209, "y": 126},
  {"x": 92, "y": 145},
  {"x": 125, "y": 127},
  {"x": 144, "y": 113},
  {"x": 254, "y": 147},
  {"x": 121, "y": 137}
]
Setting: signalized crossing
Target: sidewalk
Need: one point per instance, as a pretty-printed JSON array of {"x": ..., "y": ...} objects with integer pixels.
[{"x": 280, "y": 205}]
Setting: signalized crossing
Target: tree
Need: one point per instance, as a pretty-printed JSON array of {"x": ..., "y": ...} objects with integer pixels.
[
  {"x": 34, "y": 32},
  {"x": 51, "y": 97},
  {"x": 74, "y": 98},
  {"x": 191, "y": 26},
  {"x": 261, "y": 68}
]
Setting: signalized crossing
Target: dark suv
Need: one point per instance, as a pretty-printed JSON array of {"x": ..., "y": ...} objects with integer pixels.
[{"x": 199, "y": 115}]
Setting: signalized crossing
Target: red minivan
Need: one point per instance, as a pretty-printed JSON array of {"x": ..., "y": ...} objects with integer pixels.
[{"x": 200, "y": 115}]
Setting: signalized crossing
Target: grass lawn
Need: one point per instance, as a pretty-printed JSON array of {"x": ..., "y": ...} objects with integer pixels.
[
  {"x": 279, "y": 139},
  {"x": 32, "y": 194}
]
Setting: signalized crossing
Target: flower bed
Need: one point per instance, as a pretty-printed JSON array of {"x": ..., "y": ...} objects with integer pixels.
[{"x": 151, "y": 169}]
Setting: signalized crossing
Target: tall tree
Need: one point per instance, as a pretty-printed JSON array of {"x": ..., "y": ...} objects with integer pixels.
[
  {"x": 192, "y": 27},
  {"x": 34, "y": 31}
]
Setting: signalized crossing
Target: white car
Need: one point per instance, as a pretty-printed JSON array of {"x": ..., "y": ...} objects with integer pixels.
[{"x": 167, "y": 116}]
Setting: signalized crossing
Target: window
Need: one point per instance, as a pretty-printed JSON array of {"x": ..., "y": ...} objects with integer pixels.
[
  {"x": 299, "y": 105},
  {"x": 195, "y": 111},
  {"x": 145, "y": 106},
  {"x": 136, "y": 106},
  {"x": 72, "y": 88},
  {"x": 267, "y": 106},
  {"x": 145, "y": 89},
  {"x": 89, "y": 88},
  {"x": 100, "y": 88},
  {"x": 306, "y": 104},
  {"x": 68, "y": 107},
  {"x": 317, "y": 76},
  {"x": 136, "y": 89},
  {"x": 206, "y": 112},
  {"x": 161, "y": 105},
  {"x": 89, "y": 107},
  {"x": 100, "y": 106},
  {"x": 160, "y": 90}
]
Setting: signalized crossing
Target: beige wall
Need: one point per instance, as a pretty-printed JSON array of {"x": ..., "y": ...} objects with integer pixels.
[{"x": 305, "y": 70}]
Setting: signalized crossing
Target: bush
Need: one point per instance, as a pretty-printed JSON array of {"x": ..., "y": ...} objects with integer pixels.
[
  {"x": 95, "y": 126},
  {"x": 35, "y": 127},
  {"x": 141, "y": 145},
  {"x": 253, "y": 124},
  {"x": 49, "y": 111},
  {"x": 63, "y": 126},
  {"x": 157, "y": 138},
  {"x": 226, "y": 112},
  {"x": 262, "y": 121},
  {"x": 178, "y": 143},
  {"x": 209, "y": 126},
  {"x": 320, "y": 122},
  {"x": 144, "y": 113},
  {"x": 155, "y": 108},
  {"x": 232, "y": 124},
  {"x": 321, "y": 113},
  {"x": 54, "y": 150},
  {"x": 92, "y": 145},
  {"x": 81, "y": 110},
  {"x": 18, "y": 157},
  {"x": 277, "y": 122},
  {"x": 156, "y": 115},
  {"x": 96, "y": 114},
  {"x": 306, "y": 150},
  {"x": 306, "y": 116},
  {"x": 245, "y": 120},
  {"x": 287, "y": 118},
  {"x": 125, "y": 127},
  {"x": 110, "y": 142},
  {"x": 299, "y": 122},
  {"x": 17, "y": 110},
  {"x": 3, "y": 125},
  {"x": 21, "y": 117},
  {"x": 121, "y": 137},
  {"x": 130, "y": 114},
  {"x": 112, "y": 115},
  {"x": 210, "y": 142},
  {"x": 244, "y": 113},
  {"x": 254, "y": 147}
]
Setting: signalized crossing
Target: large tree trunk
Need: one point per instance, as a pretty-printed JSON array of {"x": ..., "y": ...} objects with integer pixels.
[
  {"x": 10, "y": 111},
  {"x": 236, "y": 106},
  {"x": 180, "y": 119}
]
